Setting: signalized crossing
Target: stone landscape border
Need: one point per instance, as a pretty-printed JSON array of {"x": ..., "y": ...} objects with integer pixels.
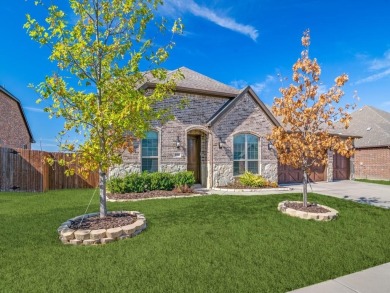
[
  {"x": 100, "y": 236},
  {"x": 332, "y": 214},
  {"x": 252, "y": 189}
]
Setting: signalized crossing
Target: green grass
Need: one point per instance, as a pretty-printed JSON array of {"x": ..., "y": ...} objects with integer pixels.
[
  {"x": 383, "y": 182},
  {"x": 202, "y": 244}
]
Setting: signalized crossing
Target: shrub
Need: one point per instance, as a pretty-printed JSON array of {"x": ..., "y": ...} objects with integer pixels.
[
  {"x": 161, "y": 181},
  {"x": 136, "y": 182},
  {"x": 253, "y": 180},
  {"x": 184, "y": 178},
  {"x": 141, "y": 182},
  {"x": 115, "y": 185}
]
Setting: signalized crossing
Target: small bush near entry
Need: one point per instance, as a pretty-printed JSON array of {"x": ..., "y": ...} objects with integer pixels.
[
  {"x": 184, "y": 178},
  {"x": 141, "y": 182},
  {"x": 253, "y": 180},
  {"x": 161, "y": 181}
]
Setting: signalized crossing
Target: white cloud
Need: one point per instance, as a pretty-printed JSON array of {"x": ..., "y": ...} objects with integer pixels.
[
  {"x": 206, "y": 13},
  {"x": 239, "y": 84},
  {"x": 258, "y": 87},
  {"x": 33, "y": 109},
  {"x": 380, "y": 68},
  {"x": 382, "y": 63},
  {"x": 374, "y": 77},
  {"x": 261, "y": 86}
]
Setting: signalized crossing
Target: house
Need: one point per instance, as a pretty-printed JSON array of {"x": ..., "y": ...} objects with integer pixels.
[
  {"x": 372, "y": 156},
  {"x": 14, "y": 129},
  {"x": 220, "y": 134}
]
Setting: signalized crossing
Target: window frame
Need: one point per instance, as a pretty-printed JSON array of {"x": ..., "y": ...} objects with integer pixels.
[
  {"x": 246, "y": 159},
  {"x": 150, "y": 157}
]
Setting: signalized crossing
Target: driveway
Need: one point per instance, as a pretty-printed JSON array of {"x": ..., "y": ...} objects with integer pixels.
[{"x": 368, "y": 193}]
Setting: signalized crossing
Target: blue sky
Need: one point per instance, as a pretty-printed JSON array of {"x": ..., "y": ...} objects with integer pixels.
[{"x": 236, "y": 42}]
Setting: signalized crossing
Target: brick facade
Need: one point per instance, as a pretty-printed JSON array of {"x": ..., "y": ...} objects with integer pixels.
[
  {"x": 372, "y": 163},
  {"x": 245, "y": 117},
  {"x": 216, "y": 163},
  {"x": 13, "y": 129}
]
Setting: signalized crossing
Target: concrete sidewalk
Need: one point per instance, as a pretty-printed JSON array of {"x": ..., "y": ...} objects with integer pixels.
[{"x": 373, "y": 280}]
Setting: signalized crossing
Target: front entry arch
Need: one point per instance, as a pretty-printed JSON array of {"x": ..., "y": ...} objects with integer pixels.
[{"x": 198, "y": 155}]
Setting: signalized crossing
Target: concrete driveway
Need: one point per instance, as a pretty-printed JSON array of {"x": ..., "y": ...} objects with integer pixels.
[{"x": 368, "y": 193}]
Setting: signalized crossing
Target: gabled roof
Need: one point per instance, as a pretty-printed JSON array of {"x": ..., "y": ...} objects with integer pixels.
[
  {"x": 372, "y": 124},
  {"x": 230, "y": 104},
  {"x": 195, "y": 82},
  {"x": 11, "y": 96},
  {"x": 339, "y": 129}
]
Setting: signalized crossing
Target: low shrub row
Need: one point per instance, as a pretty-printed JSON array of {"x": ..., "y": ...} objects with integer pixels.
[
  {"x": 141, "y": 182},
  {"x": 253, "y": 180}
]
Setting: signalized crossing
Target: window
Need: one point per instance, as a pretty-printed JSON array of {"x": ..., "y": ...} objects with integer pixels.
[
  {"x": 149, "y": 152},
  {"x": 245, "y": 154}
]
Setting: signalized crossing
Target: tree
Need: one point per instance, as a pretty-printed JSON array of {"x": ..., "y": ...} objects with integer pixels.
[
  {"x": 308, "y": 118},
  {"x": 97, "y": 86}
]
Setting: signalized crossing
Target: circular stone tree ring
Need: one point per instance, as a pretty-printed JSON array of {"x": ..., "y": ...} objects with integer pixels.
[
  {"x": 100, "y": 236},
  {"x": 324, "y": 216}
]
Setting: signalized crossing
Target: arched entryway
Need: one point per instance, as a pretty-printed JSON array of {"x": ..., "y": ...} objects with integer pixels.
[{"x": 198, "y": 154}]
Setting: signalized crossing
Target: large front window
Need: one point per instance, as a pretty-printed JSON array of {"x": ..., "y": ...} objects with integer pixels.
[
  {"x": 245, "y": 154},
  {"x": 149, "y": 152}
]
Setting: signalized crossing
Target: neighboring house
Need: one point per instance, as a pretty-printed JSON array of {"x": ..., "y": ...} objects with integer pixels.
[
  {"x": 14, "y": 129},
  {"x": 220, "y": 134},
  {"x": 372, "y": 156}
]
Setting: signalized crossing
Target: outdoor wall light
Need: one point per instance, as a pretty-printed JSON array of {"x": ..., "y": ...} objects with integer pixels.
[
  {"x": 178, "y": 142},
  {"x": 221, "y": 143},
  {"x": 270, "y": 145}
]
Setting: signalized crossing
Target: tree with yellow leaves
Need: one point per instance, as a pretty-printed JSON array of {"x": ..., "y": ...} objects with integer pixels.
[
  {"x": 98, "y": 49},
  {"x": 308, "y": 118}
]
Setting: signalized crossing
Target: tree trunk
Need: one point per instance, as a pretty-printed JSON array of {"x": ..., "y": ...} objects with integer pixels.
[
  {"x": 304, "y": 188},
  {"x": 102, "y": 187}
]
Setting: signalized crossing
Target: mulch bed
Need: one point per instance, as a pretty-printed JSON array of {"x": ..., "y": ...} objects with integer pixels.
[
  {"x": 311, "y": 207},
  {"x": 150, "y": 194},
  {"x": 123, "y": 219},
  {"x": 110, "y": 221}
]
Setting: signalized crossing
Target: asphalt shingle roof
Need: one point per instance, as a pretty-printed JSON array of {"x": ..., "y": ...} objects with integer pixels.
[
  {"x": 372, "y": 124},
  {"x": 198, "y": 82}
]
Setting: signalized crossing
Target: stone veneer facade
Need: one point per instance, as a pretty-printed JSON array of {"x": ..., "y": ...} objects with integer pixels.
[{"x": 245, "y": 116}]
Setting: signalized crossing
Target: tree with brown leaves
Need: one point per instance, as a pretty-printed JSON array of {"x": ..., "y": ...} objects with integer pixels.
[{"x": 308, "y": 118}]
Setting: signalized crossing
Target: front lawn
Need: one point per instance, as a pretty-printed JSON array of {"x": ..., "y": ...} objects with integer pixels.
[
  {"x": 201, "y": 244},
  {"x": 383, "y": 182}
]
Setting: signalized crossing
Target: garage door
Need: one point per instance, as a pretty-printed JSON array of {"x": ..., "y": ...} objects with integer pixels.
[
  {"x": 340, "y": 167},
  {"x": 287, "y": 174}
]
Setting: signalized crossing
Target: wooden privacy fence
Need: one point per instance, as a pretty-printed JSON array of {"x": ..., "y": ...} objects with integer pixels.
[{"x": 27, "y": 170}]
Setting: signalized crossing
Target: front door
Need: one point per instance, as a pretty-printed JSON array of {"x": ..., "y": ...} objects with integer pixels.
[{"x": 193, "y": 156}]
